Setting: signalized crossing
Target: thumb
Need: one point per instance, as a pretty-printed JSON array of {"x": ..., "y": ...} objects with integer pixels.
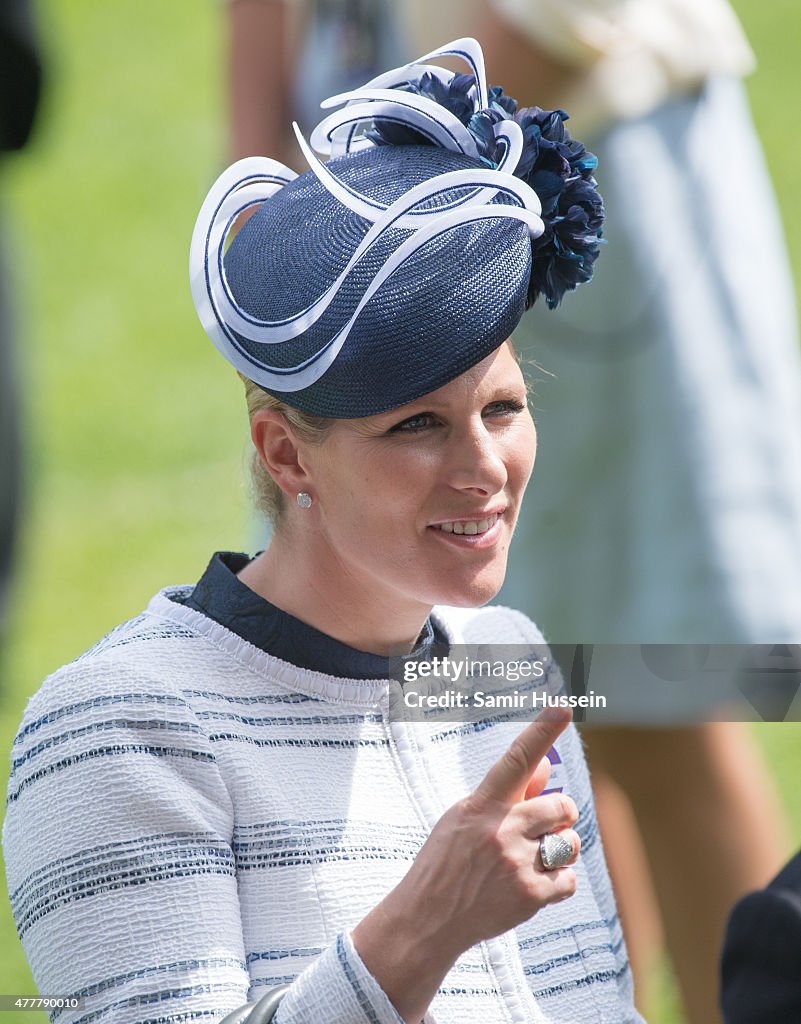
[{"x": 508, "y": 778}]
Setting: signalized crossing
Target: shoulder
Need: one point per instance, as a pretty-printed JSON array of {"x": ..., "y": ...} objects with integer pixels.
[
  {"x": 777, "y": 908},
  {"x": 113, "y": 735},
  {"x": 129, "y": 693},
  {"x": 490, "y": 624},
  {"x": 169, "y": 650},
  {"x": 135, "y": 653}
]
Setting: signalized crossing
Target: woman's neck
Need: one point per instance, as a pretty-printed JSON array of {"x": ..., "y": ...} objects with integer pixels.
[{"x": 320, "y": 591}]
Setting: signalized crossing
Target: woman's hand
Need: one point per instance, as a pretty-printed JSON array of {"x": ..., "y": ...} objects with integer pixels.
[{"x": 478, "y": 874}]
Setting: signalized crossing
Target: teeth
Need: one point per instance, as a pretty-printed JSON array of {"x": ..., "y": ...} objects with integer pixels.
[{"x": 470, "y": 527}]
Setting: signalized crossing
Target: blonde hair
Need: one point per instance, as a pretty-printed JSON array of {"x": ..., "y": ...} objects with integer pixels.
[{"x": 267, "y": 495}]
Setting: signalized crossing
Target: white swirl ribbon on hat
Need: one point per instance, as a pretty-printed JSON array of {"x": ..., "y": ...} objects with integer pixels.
[
  {"x": 346, "y": 139},
  {"x": 255, "y": 179},
  {"x": 508, "y": 132}
]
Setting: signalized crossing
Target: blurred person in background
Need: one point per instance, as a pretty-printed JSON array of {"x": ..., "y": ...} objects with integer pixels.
[
  {"x": 761, "y": 959},
  {"x": 287, "y": 55},
  {"x": 667, "y": 507},
  {"x": 676, "y": 401},
  {"x": 20, "y": 86}
]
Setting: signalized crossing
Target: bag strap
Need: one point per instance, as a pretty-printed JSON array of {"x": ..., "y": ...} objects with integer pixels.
[{"x": 261, "y": 1012}]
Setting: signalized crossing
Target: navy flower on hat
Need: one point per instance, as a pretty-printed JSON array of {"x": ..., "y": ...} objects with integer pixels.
[
  {"x": 409, "y": 255},
  {"x": 557, "y": 167}
]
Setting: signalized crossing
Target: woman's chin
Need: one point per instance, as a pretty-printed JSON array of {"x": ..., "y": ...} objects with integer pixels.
[{"x": 475, "y": 593}]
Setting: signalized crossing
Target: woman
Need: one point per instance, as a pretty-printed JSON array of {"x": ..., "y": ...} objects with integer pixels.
[{"x": 218, "y": 798}]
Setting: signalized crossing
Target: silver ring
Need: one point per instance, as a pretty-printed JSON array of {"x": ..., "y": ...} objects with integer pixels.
[{"x": 555, "y": 851}]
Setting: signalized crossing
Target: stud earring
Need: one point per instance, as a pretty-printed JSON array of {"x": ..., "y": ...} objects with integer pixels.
[{"x": 304, "y": 500}]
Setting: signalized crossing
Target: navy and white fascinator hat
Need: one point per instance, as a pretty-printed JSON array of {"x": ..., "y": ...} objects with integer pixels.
[{"x": 442, "y": 212}]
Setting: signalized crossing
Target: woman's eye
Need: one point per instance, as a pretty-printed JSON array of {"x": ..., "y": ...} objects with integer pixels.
[
  {"x": 508, "y": 406},
  {"x": 418, "y": 422},
  {"x": 425, "y": 420}
]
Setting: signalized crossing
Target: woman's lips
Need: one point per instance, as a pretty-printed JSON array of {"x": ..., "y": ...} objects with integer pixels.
[
  {"x": 483, "y": 531},
  {"x": 468, "y": 527}
]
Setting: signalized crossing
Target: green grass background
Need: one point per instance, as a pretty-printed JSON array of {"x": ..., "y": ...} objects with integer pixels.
[{"x": 135, "y": 433}]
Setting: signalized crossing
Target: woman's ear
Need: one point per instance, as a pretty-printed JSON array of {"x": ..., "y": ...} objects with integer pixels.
[{"x": 279, "y": 450}]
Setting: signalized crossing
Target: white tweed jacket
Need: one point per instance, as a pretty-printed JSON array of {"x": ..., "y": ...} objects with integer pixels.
[{"x": 191, "y": 821}]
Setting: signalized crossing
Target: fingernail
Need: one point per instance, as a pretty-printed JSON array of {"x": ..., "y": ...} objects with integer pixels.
[{"x": 550, "y": 714}]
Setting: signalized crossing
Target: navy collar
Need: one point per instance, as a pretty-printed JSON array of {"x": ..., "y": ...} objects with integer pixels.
[{"x": 223, "y": 597}]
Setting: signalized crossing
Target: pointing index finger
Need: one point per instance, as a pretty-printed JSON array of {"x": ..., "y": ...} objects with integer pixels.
[{"x": 508, "y": 777}]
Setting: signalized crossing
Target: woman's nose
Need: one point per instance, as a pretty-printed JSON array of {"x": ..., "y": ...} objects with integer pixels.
[{"x": 475, "y": 461}]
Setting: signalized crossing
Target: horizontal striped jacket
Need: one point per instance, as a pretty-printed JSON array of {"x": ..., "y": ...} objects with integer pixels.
[{"x": 191, "y": 821}]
